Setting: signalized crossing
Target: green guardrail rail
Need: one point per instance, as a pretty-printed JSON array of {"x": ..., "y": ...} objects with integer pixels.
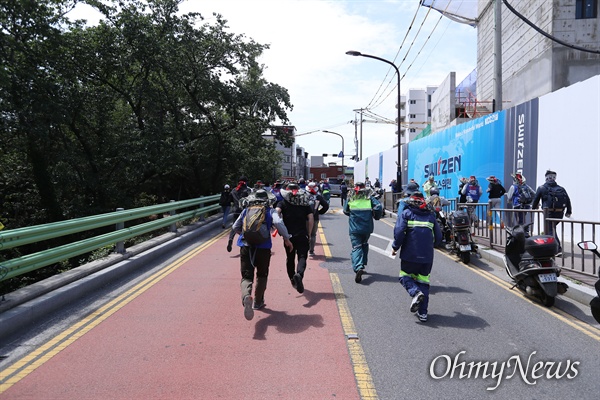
[{"x": 30, "y": 262}]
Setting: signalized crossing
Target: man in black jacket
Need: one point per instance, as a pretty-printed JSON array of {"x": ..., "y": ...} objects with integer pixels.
[
  {"x": 555, "y": 201},
  {"x": 319, "y": 206},
  {"x": 298, "y": 219}
]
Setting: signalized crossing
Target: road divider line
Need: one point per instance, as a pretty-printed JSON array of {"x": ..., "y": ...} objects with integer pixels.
[
  {"x": 362, "y": 374},
  {"x": 29, "y": 363}
]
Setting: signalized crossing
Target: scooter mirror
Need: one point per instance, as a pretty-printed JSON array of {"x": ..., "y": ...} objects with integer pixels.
[{"x": 587, "y": 245}]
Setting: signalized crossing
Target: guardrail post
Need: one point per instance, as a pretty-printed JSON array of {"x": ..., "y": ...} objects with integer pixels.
[
  {"x": 173, "y": 226},
  {"x": 202, "y": 218},
  {"x": 120, "y": 247}
]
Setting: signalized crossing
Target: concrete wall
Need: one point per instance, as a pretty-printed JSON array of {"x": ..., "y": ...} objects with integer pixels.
[{"x": 533, "y": 65}]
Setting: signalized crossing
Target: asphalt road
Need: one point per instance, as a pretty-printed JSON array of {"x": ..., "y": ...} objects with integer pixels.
[{"x": 474, "y": 317}]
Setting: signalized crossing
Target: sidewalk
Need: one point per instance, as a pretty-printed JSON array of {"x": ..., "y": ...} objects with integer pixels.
[{"x": 186, "y": 337}]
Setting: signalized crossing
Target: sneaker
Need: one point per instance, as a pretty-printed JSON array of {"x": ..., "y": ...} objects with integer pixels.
[
  {"x": 422, "y": 317},
  {"x": 299, "y": 285},
  {"x": 229, "y": 246},
  {"x": 258, "y": 305},
  {"x": 359, "y": 274},
  {"x": 559, "y": 254},
  {"x": 248, "y": 311},
  {"x": 416, "y": 301}
]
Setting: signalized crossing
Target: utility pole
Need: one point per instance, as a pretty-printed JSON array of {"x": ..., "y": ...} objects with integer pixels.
[{"x": 360, "y": 110}]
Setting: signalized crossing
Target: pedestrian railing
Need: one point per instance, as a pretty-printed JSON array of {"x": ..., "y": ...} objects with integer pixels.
[
  {"x": 490, "y": 231},
  {"x": 172, "y": 213}
]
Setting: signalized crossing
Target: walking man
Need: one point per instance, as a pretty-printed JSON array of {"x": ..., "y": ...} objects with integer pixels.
[
  {"x": 362, "y": 208},
  {"x": 555, "y": 201},
  {"x": 417, "y": 233},
  {"x": 298, "y": 219},
  {"x": 257, "y": 257}
]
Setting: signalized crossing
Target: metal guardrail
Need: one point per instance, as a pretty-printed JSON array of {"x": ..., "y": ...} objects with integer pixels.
[
  {"x": 30, "y": 262},
  {"x": 490, "y": 231}
]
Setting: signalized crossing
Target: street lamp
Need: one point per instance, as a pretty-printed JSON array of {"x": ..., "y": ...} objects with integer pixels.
[
  {"x": 343, "y": 151},
  {"x": 399, "y": 169}
]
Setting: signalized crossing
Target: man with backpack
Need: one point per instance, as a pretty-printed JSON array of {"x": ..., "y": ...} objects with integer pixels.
[
  {"x": 299, "y": 219},
  {"x": 241, "y": 190},
  {"x": 254, "y": 227},
  {"x": 555, "y": 201},
  {"x": 520, "y": 195}
]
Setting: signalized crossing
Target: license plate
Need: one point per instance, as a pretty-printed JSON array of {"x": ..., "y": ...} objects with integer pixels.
[
  {"x": 545, "y": 278},
  {"x": 465, "y": 247}
]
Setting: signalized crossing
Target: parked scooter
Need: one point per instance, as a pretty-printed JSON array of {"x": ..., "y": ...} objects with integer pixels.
[
  {"x": 595, "y": 303},
  {"x": 436, "y": 203},
  {"x": 529, "y": 261},
  {"x": 461, "y": 241}
]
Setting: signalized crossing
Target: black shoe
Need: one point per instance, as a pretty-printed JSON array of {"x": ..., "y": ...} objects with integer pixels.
[
  {"x": 359, "y": 274},
  {"x": 294, "y": 285},
  {"x": 229, "y": 246},
  {"x": 299, "y": 285}
]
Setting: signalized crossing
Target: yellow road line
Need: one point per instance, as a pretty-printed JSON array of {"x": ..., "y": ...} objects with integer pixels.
[
  {"x": 568, "y": 319},
  {"x": 38, "y": 357},
  {"x": 362, "y": 374}
]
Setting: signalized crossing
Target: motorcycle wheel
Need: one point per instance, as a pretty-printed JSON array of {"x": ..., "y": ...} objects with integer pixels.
[
  {"x": 548, "y": 301},
  {"x": 465, "y": 257},
  {"x": 595, "y": 307}
]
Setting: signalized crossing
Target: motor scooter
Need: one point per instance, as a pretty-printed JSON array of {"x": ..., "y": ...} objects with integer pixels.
[
  {"x": 595, "y": 303},
  {"x": 461, "y": 241},
  {"x": 529, "y": 262}
]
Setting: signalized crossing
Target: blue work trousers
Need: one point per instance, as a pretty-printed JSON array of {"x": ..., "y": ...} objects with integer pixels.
[
  {"x": 360, "y": 250},
  {"x": 412, "y": 282}
]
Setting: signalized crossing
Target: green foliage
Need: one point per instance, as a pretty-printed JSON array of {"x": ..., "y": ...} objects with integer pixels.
[{"x": 146, "y": 107}]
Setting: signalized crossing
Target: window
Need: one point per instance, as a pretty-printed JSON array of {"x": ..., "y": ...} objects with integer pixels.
[
  {"x": 287, "y": 159},
  {"x": 412, "y": 116},
  {"x": 429, "y": 98},
  {"x": 429, "y": 113},
  {"x": 323, "y": 175},
  {"x": 412, "y": 130},
  {"x": 586, "y": 9},
  {"x": 412, "y": 102}
]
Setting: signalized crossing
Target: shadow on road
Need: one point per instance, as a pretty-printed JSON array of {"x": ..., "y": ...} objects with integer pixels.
[
  {"x": 459, "y": 320},
  {"x": 284, "y": 323}
]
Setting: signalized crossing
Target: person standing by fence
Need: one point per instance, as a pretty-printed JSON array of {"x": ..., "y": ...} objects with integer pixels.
[
  {"x": 495, "y": 192},
  {"x": 520, "y": 195},
  {"x": 555, "y": 201}
]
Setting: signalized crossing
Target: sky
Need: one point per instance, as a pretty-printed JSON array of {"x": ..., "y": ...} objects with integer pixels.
[{"x": 308, "y": 40}]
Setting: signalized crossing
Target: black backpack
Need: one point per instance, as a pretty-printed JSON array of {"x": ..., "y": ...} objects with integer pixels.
[
  {"x": 557, "y": 197},
  {"x": 525, "y": 194},
  {"x": 254, "y": 225}
]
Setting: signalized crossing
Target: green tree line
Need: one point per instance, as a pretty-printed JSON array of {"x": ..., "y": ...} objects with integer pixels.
[{"x": 147, "y": 106}]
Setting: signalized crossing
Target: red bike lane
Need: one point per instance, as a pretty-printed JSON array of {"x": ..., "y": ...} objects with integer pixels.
[{"x": 181, "y": 334}]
